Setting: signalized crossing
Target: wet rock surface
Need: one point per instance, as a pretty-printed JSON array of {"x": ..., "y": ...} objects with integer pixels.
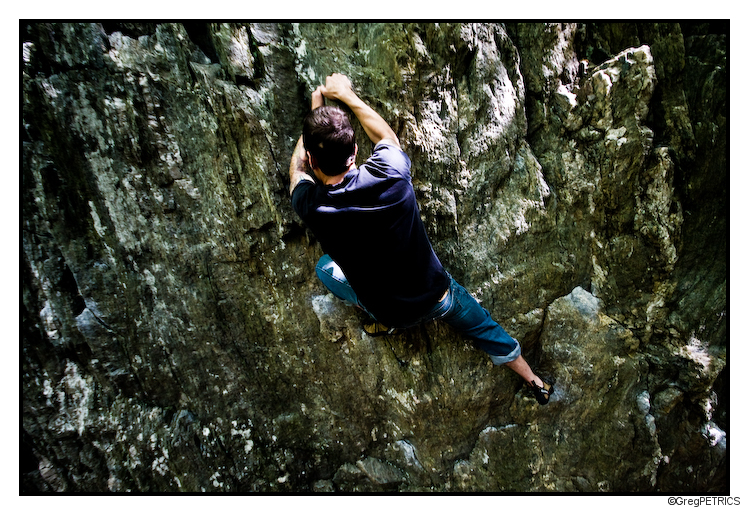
[{"x": 175, "y": 337}]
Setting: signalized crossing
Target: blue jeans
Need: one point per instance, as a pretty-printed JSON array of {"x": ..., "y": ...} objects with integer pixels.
[{"x": 458, "y": 309}]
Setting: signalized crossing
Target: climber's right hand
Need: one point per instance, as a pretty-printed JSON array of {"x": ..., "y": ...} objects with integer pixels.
[{"x": 338, "y": 87}]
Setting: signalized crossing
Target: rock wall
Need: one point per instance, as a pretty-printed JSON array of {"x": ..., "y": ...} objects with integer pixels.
[{"x": 175, "y": 338}]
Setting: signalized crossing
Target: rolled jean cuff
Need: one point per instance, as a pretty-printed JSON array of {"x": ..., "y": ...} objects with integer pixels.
[{"x": 512, "y": 356}]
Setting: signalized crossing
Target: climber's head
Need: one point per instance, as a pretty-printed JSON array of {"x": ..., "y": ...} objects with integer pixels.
[{"x": 329, "y": 138}]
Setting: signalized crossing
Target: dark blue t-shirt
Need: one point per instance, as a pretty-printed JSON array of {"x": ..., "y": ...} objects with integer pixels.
[{"x": 370, "y": 225}]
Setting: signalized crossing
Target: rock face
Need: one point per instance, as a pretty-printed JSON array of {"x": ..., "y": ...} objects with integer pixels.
[{"x": 175, "y": 337}]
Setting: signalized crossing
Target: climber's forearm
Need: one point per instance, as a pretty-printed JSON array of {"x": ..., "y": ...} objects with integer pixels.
[
  {"x": 298, "y": 169},
  {"x": 374, "y": 125},
  {"x": 318, "y": 100}
]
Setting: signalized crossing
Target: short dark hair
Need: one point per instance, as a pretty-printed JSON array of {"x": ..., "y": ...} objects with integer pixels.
[{"x": 329, "y": 137}]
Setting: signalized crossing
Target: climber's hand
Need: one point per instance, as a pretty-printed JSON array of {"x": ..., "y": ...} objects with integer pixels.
[{"x": 338, "y": 87}]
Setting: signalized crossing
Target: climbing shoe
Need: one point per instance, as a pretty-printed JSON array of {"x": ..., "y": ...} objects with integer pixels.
[
  {"x": 542, "y": 393},
  {"x": 374, "y": 328}
]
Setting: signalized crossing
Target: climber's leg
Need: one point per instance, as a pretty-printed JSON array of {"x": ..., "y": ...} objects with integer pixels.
[
  {"x": 466, "y": 315},
  {"x": 335, "y": 280}
]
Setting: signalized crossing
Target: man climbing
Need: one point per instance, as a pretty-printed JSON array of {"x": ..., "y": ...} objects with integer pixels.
[{"x": 377, "y": 253}]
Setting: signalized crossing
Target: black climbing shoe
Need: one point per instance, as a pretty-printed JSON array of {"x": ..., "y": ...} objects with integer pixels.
[{"x": 542, "y": 393}]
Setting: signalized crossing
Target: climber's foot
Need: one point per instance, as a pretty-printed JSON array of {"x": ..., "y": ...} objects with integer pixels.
[
  {"x": 375, "y": 328},
  {"x": 543, "y": 392}
]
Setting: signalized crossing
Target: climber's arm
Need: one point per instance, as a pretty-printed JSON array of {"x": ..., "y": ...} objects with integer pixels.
[
  {"x": 338, "y": 87},
  {"x": 318, "y": 100},
  {"x": 299, "y": 168}
]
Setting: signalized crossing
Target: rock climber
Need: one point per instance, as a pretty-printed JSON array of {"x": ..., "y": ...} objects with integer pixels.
[{"x": 378, "y": 256}]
